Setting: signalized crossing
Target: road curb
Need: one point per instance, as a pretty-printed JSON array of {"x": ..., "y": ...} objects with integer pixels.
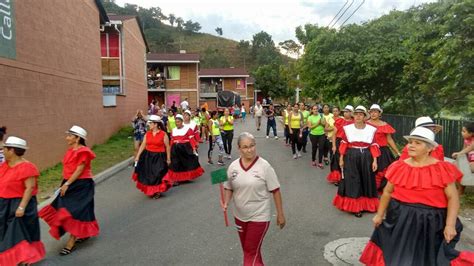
[{"x": 99, "y": 178}]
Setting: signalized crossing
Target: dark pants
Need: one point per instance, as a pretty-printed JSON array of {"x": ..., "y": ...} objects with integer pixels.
[
  {"x": 304, "y": 141},
  {"x": 295, "y": 140},
  {"x": 327, "y": 147},
  {"x": 227, "y": 136},
  {"x": 287, "y": 134},
  {"x": 317, "y": 144},
  {"x": 272, "y": 124}
]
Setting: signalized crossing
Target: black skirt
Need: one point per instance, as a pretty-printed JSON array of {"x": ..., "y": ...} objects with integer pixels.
[
  {"x": 412, "y": 234},
  {"x": 385, "y": 159},
  {"x": 335, "y": 175},
  {"x": 357, "y": 191},
  {"x": 74, "y": 212},
  {"x": 151, "y": 173},
  {"x": 184, "y": 163},
  {"x": 20, "y": 240}
]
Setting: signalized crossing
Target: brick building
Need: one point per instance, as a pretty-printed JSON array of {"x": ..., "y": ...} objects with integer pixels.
[{"x": 51, "y": 75}]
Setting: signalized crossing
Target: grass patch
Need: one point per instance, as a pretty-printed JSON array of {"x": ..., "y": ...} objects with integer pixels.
[
  {"x": 467, "y": 200},
  {"x": 118, "y": 148}
]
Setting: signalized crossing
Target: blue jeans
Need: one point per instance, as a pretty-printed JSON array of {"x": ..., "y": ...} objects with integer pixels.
[{"x": 272, "y": 124}]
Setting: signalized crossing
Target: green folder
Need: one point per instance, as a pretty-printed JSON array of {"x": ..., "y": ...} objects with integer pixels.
[{"x": 219, "y": 176}]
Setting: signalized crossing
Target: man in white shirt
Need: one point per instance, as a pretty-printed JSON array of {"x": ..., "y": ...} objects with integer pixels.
[
  {"x": 258, "y": 111},
  {"x": 184, "y": 104}
]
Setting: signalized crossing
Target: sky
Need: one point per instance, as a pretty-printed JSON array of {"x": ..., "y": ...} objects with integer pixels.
[{"x": 241, "y": 19}]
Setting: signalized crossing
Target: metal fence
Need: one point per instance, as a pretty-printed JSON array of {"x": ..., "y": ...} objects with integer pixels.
[{"x": 450, "y": 137}]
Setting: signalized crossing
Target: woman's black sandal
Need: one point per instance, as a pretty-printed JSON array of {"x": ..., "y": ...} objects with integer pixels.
[
  {"x": 81, "y": 240},
  {"x": 66, "y": 251}
]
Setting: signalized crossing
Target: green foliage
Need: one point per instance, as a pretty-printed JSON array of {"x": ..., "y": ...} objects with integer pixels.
[
  {"x": 219, "y": 31},
  {"x": 272, "y": 80},
  {"x": 191, "y": 26},
  {"x": 213, "y": 58}
]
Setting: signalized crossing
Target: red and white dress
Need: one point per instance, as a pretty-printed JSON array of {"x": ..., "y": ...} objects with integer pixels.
[
  {"x": 184, "y": 162},
  {"x": 412, "y": 232},
  {"x": 357, "y": 191},
  {"x": 20, "y": 240},
  {"x": 335, "y": 175},
  {"x": 386, "y": 157},
  {"x": 196, "y": 133},
  {"x": 74, "y": 212}
]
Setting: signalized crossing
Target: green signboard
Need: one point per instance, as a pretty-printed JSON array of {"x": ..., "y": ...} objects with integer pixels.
[{"x": 7, "y": 29}]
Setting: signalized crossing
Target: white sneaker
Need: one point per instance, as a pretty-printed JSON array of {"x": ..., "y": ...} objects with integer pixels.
[
  {"x": 229, "y": 156},
  {"x": 268, "y": 137},
  {"x": 276, "y": 137},
  {"x": 299, "y": 154},
  {"x": 295, "y": 156}
]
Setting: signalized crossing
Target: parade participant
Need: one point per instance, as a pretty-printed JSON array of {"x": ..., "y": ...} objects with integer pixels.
[
  {"x": 197, "y": 121},
  {"x": 305, "y": 130},
  {"x": 152, "y": 159},
  {"x": 358, "y": 160},
  {"x": 258, "y": 112},
  {"x": 426, "y": 121},
  {"x": 139, "y": 130},
  {"x": 251, "y": 197},
  {"x": 205, "y": 116},
  {"x": 171, "y": 122},
  {"x": 467, "y": 151},
  {"x": 184, "y": 105},
  {"x": 420, "y": 204},
  {"x": 189, "y": 123},
  {"x": 334, "y": 176},
  {"x": 72, "y": 210},
  {"x": 383, "y": 137},
  {"x": 184, "y": 162},
  {"x": 243, "y": 112},
  {"x": 271, "y": 121},
  {"x": 215, "y": 139},
  {"x": 286, "y": 118},
  {"x": 236, "y": 112},
  {"x": 3, "y": 132},
  {"x": 226, "y": 123},
  {"x": 328, "y": 127},
  {"x": 296, "y": 125},
  {"x": 20, "y": 240},
  {"x": 316, "y": 136}
]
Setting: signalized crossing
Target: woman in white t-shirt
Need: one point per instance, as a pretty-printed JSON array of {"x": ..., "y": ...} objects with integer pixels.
[{"x": 251, "y": 182}]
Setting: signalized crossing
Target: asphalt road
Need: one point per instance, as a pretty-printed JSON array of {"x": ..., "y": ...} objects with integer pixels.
[{"x": 186, "y": 227}]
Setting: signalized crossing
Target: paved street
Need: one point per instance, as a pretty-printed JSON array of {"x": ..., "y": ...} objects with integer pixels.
[{"x": 186, "y": 226}]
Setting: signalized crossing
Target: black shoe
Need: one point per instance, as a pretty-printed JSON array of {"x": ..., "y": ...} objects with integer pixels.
[
  {"x": 304, "y": 150},
  {"x": 336, "y": 184},
  {"x": 358, "y": 215}
]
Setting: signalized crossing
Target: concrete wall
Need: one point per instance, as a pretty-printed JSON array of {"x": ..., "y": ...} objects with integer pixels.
[{"x": 56, "y": 79}]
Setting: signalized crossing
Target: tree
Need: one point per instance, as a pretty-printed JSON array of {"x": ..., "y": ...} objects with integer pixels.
[
  {"x": 263, "y": 49},
  {"x": 179, "y": 23},
  {"x": 219, "y": 31},
  {"x": 214, "y": 58},
  {"x": 291, "y": 47},
  {"x": 269, "y": 80},
  {"x": 191, "y": 26},
  {"x": 244, "y": 51},
  {"x": 172, "y": 19}
]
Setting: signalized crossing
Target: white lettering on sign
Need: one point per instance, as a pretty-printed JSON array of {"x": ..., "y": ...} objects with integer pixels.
[{"x": 6, "y": 27}]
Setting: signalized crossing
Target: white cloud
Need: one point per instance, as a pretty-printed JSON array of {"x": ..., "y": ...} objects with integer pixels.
[{"x": 241, "y": 19}]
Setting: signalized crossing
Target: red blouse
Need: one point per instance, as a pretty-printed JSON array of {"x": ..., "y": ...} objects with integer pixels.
[
  {"x": 424, "y": 185},
  {"x": 155, "y": 143},
  {"x": 437, "y": 153},
  {"x": 381, "y": 134},
  {"x": 12, "y": 179},
  {"x": 74, "y": 158},
  {"x": 183, "y": 135}
]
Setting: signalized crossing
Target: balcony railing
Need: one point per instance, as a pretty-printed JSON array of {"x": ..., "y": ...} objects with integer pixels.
[{"x": 156, "y": 84}]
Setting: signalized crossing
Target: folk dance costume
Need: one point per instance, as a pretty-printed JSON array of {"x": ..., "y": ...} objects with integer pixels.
[
  {"x": 74, "y": 212},
  {"x": 20, "y": 240},
  {"x": 184, "y": 162},
  {"x": 151, "y": 172},
  {"x": 334, "y": 176},
  {"x": 196, "y": 133},
  {"x": 412, "y": 232},
  {"x": 386, "y": 157},
  {"x": 357, "y": 191}
]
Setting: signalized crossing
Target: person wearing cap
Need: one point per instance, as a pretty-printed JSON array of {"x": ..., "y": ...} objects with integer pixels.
[
  {"x": 184, "y": 162},
  {"x": 383, "y": 137},
  {"x": 215, "y": 138},
  {"x": 226, "y": 123},
  {"x": 427, "y": 122},
  {"x": 20, "y": 240},
  {"x": 420, "y": 204},
  {"x": 334, "y": 177},
  {"x": 72, "y": 211},
  {"x": 358, "y": 161},
  {"x": 152, "y": 160}
]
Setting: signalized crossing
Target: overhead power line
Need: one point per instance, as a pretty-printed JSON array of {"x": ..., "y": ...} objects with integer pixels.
[
  {"x": 347, "y": 1},
  {"x": 352, "y": 13},
  {"x": 343, "y": 13}
]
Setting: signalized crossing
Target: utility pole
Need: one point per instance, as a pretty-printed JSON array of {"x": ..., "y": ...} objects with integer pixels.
[{"x": 298, "y": 88}]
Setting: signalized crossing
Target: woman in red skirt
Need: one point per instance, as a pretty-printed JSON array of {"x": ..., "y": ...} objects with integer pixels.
[
  {"x": 357, "y": 191},
  {"x": 334, "y": 176},
  {"x": 20, "y": 240},
  {"x": 420, "y": 204},
  {"x": 152, "y": 160},
  {"x": 383, "y": 137},
  {"x": 184, "y": 162},
  {"x": 72, "y": 211}
]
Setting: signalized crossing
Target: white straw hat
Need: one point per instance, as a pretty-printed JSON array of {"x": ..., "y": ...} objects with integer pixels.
[
  {"x": 154, "y": 118},
  {"x": 423, "y": 134},
  {"x": 376, "y": 107},
  {"x": 188, "y": 112},
  {"x": 78, "y": 131},
  {"x": 361, "y": 109},
  {"x": 15, "y": 142},
  {"x": 178, "y": 116},
  {"x": 349, "y": 108},
  {"x": 426, "y": 121}
]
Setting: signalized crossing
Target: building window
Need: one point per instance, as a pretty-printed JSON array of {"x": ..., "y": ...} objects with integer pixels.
[
  {"x": 240, "y": 84},
  {"x": 110, "y": 45},
  {"x": 174, "y": 73}
]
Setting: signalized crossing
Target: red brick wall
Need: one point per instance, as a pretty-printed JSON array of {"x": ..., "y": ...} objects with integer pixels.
[
  {"x": 230, "y": 84},
  {"x": 56, "y": 80},
  {"x": 188, "y": 77}
]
